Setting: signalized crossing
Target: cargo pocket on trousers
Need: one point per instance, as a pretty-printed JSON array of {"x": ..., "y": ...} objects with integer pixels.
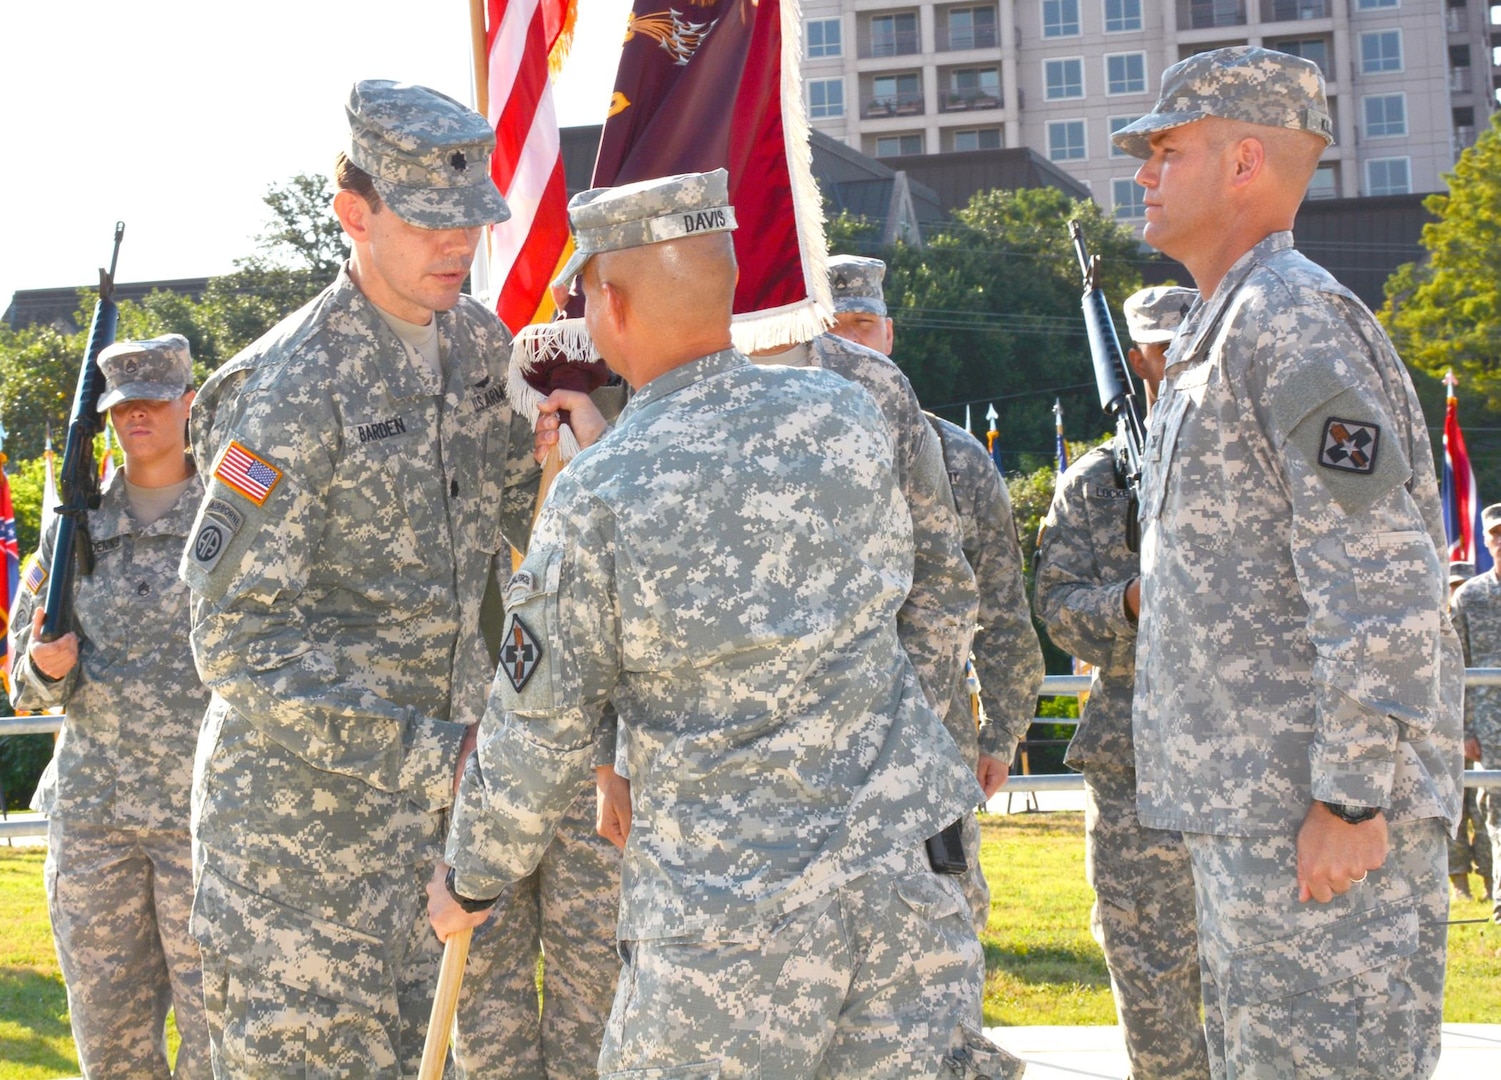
[
  {"x": 706, "y": 1070},
  {"x": 974, "y": 1057},
  {"x": 1319, "y": 983}
]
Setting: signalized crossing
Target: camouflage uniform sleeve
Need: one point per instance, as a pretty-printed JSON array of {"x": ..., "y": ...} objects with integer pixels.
[
  {"x": 1007, "y": 655},
  {"x": 1083, "y": 610},
  {"x": 559, "y": 661},
  {"x": 1364, "y": 560},
  {"x": 250, "y": 636},
  {"x": 29, "y": 689},
  {"x": 1461, "y": 620},
  {"x": 937, "y": 622}
]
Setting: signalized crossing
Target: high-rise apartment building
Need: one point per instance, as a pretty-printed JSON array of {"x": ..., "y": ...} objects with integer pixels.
[{"x": 1410, "y": 81}]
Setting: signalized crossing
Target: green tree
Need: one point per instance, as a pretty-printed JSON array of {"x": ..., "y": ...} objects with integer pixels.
[
  {"x": 988, "y": 311},
  {"x": 38, "y": 375},
  {"x": 304, "y": 234},
  {"x": 1445, "y": 312}
]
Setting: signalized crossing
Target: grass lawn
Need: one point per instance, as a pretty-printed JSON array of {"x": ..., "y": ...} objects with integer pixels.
[{"x": 1042, "y": 967}]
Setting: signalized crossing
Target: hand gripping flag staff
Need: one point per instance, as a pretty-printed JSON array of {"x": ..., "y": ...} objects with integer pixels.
[{"x": 518, "y": 45}]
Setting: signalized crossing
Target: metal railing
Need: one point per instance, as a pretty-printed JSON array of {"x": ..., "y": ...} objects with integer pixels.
[
  {"x": 1052, "y": 686},
  {"x": 899, "y": 104}
]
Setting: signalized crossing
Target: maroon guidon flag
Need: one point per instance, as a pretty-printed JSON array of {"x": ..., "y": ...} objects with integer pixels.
[{"x": 709, "y": 84}]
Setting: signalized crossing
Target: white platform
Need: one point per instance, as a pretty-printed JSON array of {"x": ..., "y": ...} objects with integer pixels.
[{"x": 1471, "y": 1051}]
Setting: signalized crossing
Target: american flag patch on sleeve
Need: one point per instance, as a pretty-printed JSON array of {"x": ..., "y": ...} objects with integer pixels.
[
  {"x": 36, "y": 576},
  {"x": 244, "y": 471}
]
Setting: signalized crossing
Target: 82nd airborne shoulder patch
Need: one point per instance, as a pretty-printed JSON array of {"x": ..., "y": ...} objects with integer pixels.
[
  {"x": 520, "y": 653},
  {"x": 1349, "y": 446}
]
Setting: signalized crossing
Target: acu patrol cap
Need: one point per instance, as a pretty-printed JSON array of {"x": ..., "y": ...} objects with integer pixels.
[
  {"x": 855, "y": 283},
  {"x": 158, "y": 369},
  {"x": 1490, "y": 517},
  {"x": 1245, "y": 82},
  {"x": 1460, "y": 572},
  {"x": 646, "y": 212},
  {"x": 1153, "y": 314},
  {"x": 428, "y": 155}
]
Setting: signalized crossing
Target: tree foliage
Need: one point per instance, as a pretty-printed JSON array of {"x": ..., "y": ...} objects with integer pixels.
[
  {"x": 988, "y": 312},
  {"x": 1445, "y": 312}
]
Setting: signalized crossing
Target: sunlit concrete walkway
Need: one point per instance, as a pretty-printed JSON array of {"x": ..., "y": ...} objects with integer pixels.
[{"x": 1471, "y": 1051}]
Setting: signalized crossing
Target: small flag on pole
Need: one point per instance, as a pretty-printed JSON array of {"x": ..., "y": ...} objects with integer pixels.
[
  {"x": 10, "y": 569},
  {"x": 1062, "y": 447},
  {"x": 992, "y": 436},
  {"x": 1461, "y": 500},
  {"x": 50, "y": 499}
]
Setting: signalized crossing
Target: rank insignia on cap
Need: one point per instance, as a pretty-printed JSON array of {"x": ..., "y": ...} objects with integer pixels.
[
  {"x": 246, "y": 472},
  {"x": 457, "y": 160},
  {"x": 520, "y": 652},
  {"x": 1349, "y": 445},
  {"x": 36, "y": 576}
]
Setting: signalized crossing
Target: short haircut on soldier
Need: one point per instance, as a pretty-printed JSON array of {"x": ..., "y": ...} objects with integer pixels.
[
  {"x": 1290, "y": 152},
  {"x": 350, "y": 177}
]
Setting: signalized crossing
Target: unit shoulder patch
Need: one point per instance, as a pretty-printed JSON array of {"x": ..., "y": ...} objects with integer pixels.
[
  {"x": 520, "y": 653},
  {"x": 1350, "y": 445}
]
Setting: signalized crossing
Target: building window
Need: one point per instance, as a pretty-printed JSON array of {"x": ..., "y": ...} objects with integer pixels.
[
  {"x": 893, "y": 35},
  {"x": 1129, "y": 198},
  {"x": 1066, "y": 140},
  {"x": 1125, "y": 73},
  {"x": 1063, "y": 78},
  {"x": 892, "y": 145},
  {"x": 825, "y": 98},
  {"x": 1116, "y": 123},
  {"x": 972, "y": 28},
  {"x": 1380, "y": 50},
  {"x": 1325, "y": 183},
  {"x": 1387, "y": 176},
  {"x": 1060, "y": 18},
  {"x": 1372, "y": 5},
  {"x": 978, "y": 139},
  {"x": 1122, "y": 15},
  {"x": 825, "y": 39},
  {"x": 1385, "y": 114},
  {"x": 1315, "y": 49}
]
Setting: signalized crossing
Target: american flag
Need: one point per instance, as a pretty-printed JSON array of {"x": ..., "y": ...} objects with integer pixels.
[
  {"x": 10, "y": 569},
  {"x": 251, "y": 476},
  {"x": 523, "y": 40}
]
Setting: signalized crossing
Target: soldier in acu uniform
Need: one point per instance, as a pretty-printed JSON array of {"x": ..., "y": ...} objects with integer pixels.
[
  {"x": 362, "y": 459},
  {"x": 1297, "y": 710},
  {"x": 1005, "y": 655},
  {"x": 726, "y": 566},
  {"x": 1476, "y": 608},
  {"x": 119, "y": 869},
  {"x": 1087, "y": 596}
]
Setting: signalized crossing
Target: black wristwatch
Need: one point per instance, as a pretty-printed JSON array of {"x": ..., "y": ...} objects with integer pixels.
[
  {"x": 1352, "y": 815},
  {"x": 463, "y": 901}
]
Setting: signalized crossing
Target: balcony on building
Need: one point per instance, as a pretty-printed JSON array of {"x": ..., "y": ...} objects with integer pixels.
[
  {"x": 1203, "y": 14},
  {"x": 966, "y": 26},
  {"x": 897, "y": 94},
  {"x": 1460, "y": 81},
  {"x": 1315, "y": 48},
  {"x": 888, "y": 33},
  {"x": 966, "y": 89},
  {"x": 1457, "y": 19},
  {"x": 1293, "y": 10}
]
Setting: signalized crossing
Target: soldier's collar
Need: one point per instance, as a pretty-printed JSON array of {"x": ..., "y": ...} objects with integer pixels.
[
  {"x": 684, "y": 375},
  {"x": 1204, "y": 319}
]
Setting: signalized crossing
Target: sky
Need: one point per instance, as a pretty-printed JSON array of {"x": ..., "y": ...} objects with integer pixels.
[{"x": 176, "y": 116}]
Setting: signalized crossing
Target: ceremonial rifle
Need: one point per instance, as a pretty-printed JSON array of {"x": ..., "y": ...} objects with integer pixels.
[
  {"x": 79, "y": 479},
  {"x": 1113, "y": 379}
]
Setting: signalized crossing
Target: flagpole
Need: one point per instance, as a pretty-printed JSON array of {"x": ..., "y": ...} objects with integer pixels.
[{"x": 481, "y": 53}]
